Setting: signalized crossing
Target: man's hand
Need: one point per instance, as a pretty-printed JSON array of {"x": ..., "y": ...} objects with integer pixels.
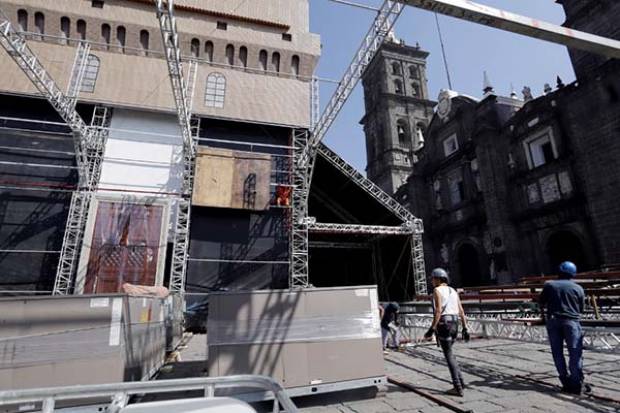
[
  {"x": 429, "y": 333},
  {"x": 465, "y": 335}
]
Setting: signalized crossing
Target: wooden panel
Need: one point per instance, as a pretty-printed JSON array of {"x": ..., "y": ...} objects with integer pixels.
[
  {"x": 214, "y": 177},
  {"x": 232, "y": 179},
  {"x": 251, "y": 181}
]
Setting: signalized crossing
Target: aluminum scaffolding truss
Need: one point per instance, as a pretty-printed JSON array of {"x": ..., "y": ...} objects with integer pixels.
[
  {"x": 89, "y": 141},
  {"x": 77, "y": 72},
  {"x": 380, "y": 28},
  {"x": 333, "y": 228},
  {"x": 170, "y": 40},
  {"x": 15, "y": 45},
  {"x": 315, "y": 101},
  {"x": 298, "y": 270},
  {"x": 80, "y": 202},
  {"x": 416, "y": 229},
  {"x": 595, "y": 338},
  {"x": 305, "y": 144},
  {"x": 190, "y": 129}
]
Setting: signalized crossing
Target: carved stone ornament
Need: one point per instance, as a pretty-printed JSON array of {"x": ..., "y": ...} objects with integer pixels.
[{"x": 444, "y": 105}]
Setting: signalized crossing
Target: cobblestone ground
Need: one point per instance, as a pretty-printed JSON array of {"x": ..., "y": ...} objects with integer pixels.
[{"x": 493, "y": 371}]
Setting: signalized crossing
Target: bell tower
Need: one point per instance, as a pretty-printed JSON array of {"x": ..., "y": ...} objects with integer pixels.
[{"x": 397, "y": 112}]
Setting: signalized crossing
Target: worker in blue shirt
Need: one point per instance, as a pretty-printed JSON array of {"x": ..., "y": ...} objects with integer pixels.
[{"x": 564, "y": 300}]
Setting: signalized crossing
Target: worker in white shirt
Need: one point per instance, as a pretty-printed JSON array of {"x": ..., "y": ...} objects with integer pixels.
[{"x": 447, "y": 310}]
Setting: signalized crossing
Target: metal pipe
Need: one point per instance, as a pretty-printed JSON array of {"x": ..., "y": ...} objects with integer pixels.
[
  {"x": 238, "y": 261},
  {"x": 30, "y": 251},
  {"x": 37, "y": 165},
  {"x": 361, "y": 6}
]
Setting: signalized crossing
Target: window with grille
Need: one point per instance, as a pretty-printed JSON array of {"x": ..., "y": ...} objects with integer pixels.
[
  {"x": 90, "y": 74},
  {"x": 216, "y": 90}
]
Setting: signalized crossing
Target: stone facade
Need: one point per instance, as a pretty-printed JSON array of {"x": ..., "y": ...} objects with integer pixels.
[
  {"x": 397, "y": 111},
  {"x": 510, "y": 187},
  {"x": 132, "y": 72}
]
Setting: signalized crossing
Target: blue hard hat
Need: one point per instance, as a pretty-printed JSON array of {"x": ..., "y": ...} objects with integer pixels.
[{"x": 568, "y": 268}]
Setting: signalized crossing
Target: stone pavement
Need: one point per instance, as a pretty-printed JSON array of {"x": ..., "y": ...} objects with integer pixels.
[{"x": 491, "y": 369}]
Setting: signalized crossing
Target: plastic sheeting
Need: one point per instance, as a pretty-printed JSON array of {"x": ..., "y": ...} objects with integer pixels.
[{"x": 296, "y": 329}]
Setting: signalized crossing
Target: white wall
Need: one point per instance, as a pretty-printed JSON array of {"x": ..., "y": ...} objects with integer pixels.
[{"x": 143, "y": 153}]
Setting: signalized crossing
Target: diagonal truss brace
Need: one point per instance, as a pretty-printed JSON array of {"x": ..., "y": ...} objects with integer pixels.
[
  {"x": 77, "y": 72},
  {"x": 172, "y": 51},
  {"x": 15, "y": 45}
]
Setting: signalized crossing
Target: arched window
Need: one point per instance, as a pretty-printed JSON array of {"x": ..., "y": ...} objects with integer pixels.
[
  {"x": 90, "y": 74},
  {"x": 81, "y": 29},
  {"x": 398, "y": 87},
  {"x": 243, "y": 56},
  {"x": 415, "y": 89},
  {"x": 403, "y": 133},
  {"x": 39, "y": 23},
  {"x": 65, "y": 29},
  {"x": 295, "y": 65},
  {"x": 414, "y": 72},
  {"x": 209, "y": 51},
  {"x": 275, "y": 61},
  {"x": 22, "y": 20},
  {"x": 230, "y": 54},
  {"x": 144, "y": 40},
  {"x": 396, "y": 68},
  {"x": 121, "y": 35},
  {"x": 195, "y": 47},
  {"x": 262, "y": 59},
  {"x": 216, "y": 90},
  {"x": 105, "y": 35}
]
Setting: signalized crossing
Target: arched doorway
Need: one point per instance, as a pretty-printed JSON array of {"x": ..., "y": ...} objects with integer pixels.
[
  {"x": 566, "y": 246},
  {"x": 469, "y": 266}
]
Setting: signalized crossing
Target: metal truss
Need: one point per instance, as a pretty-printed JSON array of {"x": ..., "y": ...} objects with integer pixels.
[
  {"x": 190, "y": 129},
  {"x": 15, "y": 45},
  {"x": 170, "y": 39},
  {"x": 192, "y": 72},
  {"x": 180, "y": 244},
  {"x": 77, "y": 72},
  {"x": 298, "y": 270},
  {"x": 80, "y": 202},
  {"x": 89, "y": 141},
  {"x": 416, "y": 228},
  {"x": 526, "y": 26},
  {"x": 595, "y": 338},
  {"x": 315, "y": 102},
  {"x": 367, "y": 185},
  {"x": 329, "y": 228},
  {"x": 383, "y": 23}
]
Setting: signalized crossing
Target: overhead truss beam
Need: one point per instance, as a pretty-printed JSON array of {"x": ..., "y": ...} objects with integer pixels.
[
  {"x": 335, "y": 228},
  {"x": 515, "y": 23}
]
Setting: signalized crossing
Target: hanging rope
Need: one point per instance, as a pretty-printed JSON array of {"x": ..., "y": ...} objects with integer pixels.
[{"x": 443, "y": 52}]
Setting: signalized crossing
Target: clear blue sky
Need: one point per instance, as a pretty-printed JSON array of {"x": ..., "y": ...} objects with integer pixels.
[{"x": 471, "y": 49}]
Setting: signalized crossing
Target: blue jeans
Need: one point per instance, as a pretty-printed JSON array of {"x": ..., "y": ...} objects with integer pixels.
[{"x": 566, "y": 330}]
